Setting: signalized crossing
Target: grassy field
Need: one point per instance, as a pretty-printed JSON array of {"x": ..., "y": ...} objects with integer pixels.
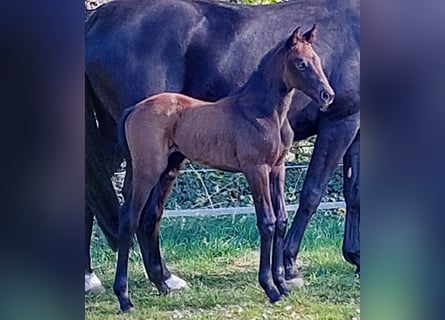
[{"x": 218, "y": 257}]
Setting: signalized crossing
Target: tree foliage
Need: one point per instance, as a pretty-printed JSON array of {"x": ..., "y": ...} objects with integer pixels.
[{"x": 91, "y": 4}]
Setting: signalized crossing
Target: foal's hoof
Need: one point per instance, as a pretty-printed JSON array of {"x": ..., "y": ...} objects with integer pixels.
[
  {"x": 163, "y": 289},
  {"x": 276, "y": 300},
  {"x": 294, "y": 283},
  {"x": 274, "y": 296},
  {"x": 282, "y": 287},
  {"x": 291, "y": 271},
  {"x": 175, "y": 283},
  {"x": 284, "y": 290}
]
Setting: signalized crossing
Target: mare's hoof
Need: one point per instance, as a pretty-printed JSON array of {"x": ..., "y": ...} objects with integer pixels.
[
  {"x": 294, "y": 283},
  {"x": 175, "y": 283},
  {"x": 93, "y": 283}
]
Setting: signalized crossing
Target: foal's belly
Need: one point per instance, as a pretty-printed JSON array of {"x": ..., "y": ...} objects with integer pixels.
[
  {"x": 210, "y": 150},
  {"x": 206, "y": 135}
]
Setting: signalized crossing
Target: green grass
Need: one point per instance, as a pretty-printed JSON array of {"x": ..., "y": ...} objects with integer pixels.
[{"x": 218, "y": 257}]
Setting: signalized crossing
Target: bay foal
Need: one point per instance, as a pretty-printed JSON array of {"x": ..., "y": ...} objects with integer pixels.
[{"x": 246, "y": 132}]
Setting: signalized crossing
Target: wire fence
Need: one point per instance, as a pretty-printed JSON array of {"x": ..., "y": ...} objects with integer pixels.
[{"x": 201, "y": 192}]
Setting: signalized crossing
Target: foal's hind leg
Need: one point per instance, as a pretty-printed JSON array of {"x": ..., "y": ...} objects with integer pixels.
[
  {"x": 148, "y": 232},
  {"x": 141, "y": 236},
  {"x": 258, "y": 179},
  {"x": 145, "y": 176},
  {"x": 277, "y": 175}
]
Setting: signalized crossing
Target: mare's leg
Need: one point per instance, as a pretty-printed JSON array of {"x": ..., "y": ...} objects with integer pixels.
[
  {"x": 277, "y": 175},
  {"x": 88, "y": 232},
  {"x": 101, "y": 205},
  {"x": 351, "y": 191},
  {"x": 258, "y": 179},
  {"x": 146, "y": 175},
  {"x": 92, "y": 282},
  {"x": 97, "y": 206},
  {"x": 148, "y": 232},
  {"x": 333, "y": 138},
  {"x": 100, "y": 198}
]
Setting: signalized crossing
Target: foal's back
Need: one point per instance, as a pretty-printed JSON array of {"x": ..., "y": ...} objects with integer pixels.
[
  {"x": 214, "y": 134},
  {"x": 196, "y": 128}
]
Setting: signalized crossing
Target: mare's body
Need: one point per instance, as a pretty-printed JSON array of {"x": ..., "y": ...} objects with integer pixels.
[{"x": 204, "y": 49}]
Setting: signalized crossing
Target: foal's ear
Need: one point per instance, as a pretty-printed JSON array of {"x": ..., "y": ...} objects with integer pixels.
[
  {"x": 294, "y": 38},
  {"x": 310, "y": 35}
]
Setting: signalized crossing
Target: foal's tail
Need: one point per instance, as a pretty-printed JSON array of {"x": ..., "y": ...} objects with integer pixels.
[{"x": 121, "y": 138}]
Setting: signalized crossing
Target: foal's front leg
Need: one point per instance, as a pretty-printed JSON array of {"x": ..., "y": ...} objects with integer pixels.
[
  {"x": 258, "y": 179},
  {"x": 277, "y": 176}
]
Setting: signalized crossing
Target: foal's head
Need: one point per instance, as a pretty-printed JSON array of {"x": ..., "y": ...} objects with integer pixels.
[{"x": 303, "y": 68}]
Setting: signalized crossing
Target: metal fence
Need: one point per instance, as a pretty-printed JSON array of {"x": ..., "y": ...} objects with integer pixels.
[
  {"x": 241, "y": 210},
  {"x": 249, "y": 209},
  {"x": 202, "y": 192}
]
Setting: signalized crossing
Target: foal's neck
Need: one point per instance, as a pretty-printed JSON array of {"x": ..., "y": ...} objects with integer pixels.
[{"x": 266, "y": 89}]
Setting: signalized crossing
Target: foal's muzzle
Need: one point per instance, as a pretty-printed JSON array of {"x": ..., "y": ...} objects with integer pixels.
[{"x": 326, "y": 98}]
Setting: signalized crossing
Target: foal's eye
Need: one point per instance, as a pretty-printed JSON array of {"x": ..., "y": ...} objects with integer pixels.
[{"x": 301, "y": 65}]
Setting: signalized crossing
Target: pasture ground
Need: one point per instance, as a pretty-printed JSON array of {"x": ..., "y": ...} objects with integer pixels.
[{"x": 218, "y": 257}]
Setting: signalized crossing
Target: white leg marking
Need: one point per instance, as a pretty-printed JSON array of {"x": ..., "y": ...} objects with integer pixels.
[
  {"x": 92, "y": 282},
  {"x": 175, "y": 283},
  {"x": 295, "y": 283},
  {"x": 349, "y": 175}
]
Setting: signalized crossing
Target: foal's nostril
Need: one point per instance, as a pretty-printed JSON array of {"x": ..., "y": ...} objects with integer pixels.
[{"x": 325, "y": 96}]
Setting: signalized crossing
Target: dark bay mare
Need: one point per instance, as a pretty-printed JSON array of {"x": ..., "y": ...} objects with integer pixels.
[
  {"x": 207, "y": 50},
  {"x": 247, "y": 131}
]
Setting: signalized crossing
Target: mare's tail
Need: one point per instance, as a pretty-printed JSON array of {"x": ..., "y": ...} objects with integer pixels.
[{"x": 100, "y": 196}]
